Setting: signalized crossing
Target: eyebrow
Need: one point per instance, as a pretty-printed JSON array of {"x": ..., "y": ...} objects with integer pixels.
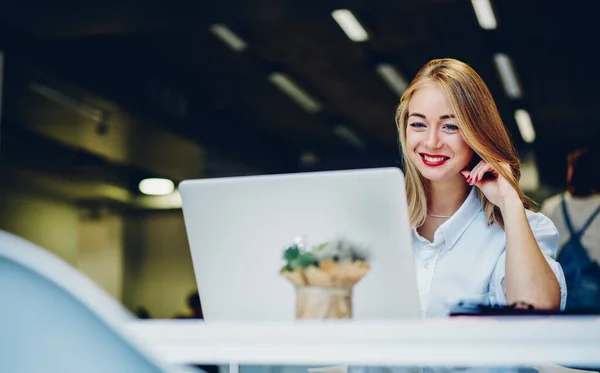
[{"x": 446, "y": 116}]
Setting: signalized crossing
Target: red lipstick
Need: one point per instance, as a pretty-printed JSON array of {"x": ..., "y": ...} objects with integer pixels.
[{"x": 433, "y": 160}]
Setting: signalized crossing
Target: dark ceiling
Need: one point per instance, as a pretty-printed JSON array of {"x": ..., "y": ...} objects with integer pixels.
[{"x": 178, "y": 102}]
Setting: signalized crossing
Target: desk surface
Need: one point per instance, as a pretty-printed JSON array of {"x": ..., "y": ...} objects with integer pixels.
[{"x": 573, "y": 341}]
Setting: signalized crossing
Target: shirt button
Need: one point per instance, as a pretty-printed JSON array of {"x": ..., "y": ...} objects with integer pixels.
[{"x": 426, "y": 265}]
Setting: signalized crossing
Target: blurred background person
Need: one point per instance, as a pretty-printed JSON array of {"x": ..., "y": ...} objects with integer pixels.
[
  {"x": 143, "y": 313},
  {"x": 195, "y": 306},
  {"x": 575, "y": 214}
]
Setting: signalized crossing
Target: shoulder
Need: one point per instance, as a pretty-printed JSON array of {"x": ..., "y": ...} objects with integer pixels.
[
  {"x": 539, "y": 222},
  {"x": 551, "y": 204},
  {"x": 544, "y": 231}
]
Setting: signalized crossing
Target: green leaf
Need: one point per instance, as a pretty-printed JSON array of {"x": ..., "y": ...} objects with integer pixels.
[
  {"x": 306, "y": 260},
  {"x": 292, "y": 253},
  {"x": 320, "y": 247}
]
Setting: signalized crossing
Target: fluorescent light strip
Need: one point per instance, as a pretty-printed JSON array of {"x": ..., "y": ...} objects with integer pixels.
[
  {"x": 349, "y": 136},
  {"x": 290, "y": 88},
  {"x": 485, "y": 14},
  {"x": 67, "y": 101},
  {"x": 346, "y": 20},
  {"x": 525, "y": 126},
  {"x": 508, "y": 76},
  {"x": 392, "y": 77},
  {"x": 228, "y": 37}
]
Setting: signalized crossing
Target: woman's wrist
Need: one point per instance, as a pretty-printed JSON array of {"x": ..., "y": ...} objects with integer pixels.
[{"x": 510, "y": 203}]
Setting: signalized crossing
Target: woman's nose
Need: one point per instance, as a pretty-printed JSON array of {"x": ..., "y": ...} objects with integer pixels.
[{"x": 433, "y": 140}]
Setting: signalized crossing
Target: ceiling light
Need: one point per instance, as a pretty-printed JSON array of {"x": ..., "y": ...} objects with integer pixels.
[
  {"x": 350, "y": 25},
  {"x": 228, "y": 37},
  {"x": 156, "y": 186},
  {"x": 508, "y": 76},
  {"x": 485, "y": 14},
  {"x": 349, "y": 136},
  {"x": 525, "y": 126},
  {"x": 309, "y": 159},
  {"x": 392, "y": 77},
  {"x": 290, "y": 88}
]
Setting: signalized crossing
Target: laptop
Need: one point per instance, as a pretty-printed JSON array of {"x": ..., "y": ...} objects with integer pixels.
[{"x": 239, "y": 227}]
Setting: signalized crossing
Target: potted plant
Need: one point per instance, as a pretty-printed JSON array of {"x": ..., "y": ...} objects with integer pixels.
[{"x": 323, "y": 276}]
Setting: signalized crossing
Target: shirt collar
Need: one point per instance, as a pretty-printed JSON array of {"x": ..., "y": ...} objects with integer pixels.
[{"x": 452, "y": 229}]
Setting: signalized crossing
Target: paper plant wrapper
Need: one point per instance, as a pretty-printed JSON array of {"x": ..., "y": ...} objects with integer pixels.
[
  {"x": 325, "y": 292},
  {"x": 323, "y": 303}
]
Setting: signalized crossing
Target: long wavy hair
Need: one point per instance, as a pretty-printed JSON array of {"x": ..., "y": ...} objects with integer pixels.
[{"x": 480, "y": 125}]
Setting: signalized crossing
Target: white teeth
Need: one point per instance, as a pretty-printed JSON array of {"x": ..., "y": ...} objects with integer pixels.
[{"x": 431, "y": 159}]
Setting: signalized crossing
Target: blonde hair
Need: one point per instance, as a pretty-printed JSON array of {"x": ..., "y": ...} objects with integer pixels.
[{"x": 480, "y": 125}]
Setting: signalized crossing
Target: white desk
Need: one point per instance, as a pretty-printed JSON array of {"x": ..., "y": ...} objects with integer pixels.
[{"x": 459, "y": 341}]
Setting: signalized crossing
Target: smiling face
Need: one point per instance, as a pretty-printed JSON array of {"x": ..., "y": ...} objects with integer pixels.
[{"x": 433, "y": 139}]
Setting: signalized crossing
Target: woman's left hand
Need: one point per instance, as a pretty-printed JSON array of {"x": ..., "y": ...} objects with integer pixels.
[{"x": 496, "y": 189}]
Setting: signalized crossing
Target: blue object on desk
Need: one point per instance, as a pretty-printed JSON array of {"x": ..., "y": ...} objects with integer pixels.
[{"x": 54, "y": 319}]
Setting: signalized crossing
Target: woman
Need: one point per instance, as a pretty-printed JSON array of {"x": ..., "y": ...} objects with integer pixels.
[{"x": 474, "y": 237}]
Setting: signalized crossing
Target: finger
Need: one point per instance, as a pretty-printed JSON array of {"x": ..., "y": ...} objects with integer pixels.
[
  {"x": 494, "y": 171},
  {"x": 478, "y": 178},
  {"x": 473, "y": 170},
  {"x": 478, "y": 184},
  {"x": 476, "y": 169},
  {"x": 481, "y": 171}
]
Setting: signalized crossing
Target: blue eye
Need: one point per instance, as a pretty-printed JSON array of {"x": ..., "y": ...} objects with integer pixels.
[
  {"x": 417, "y": 125},
  {"x": 452, "y": 127}
]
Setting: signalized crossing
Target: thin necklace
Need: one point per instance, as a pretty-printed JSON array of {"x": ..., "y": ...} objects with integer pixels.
[{"x": 441, "y": 216}]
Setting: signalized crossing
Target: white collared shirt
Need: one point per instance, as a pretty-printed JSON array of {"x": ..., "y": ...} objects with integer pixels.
[{"x": 466, "y": 260}]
